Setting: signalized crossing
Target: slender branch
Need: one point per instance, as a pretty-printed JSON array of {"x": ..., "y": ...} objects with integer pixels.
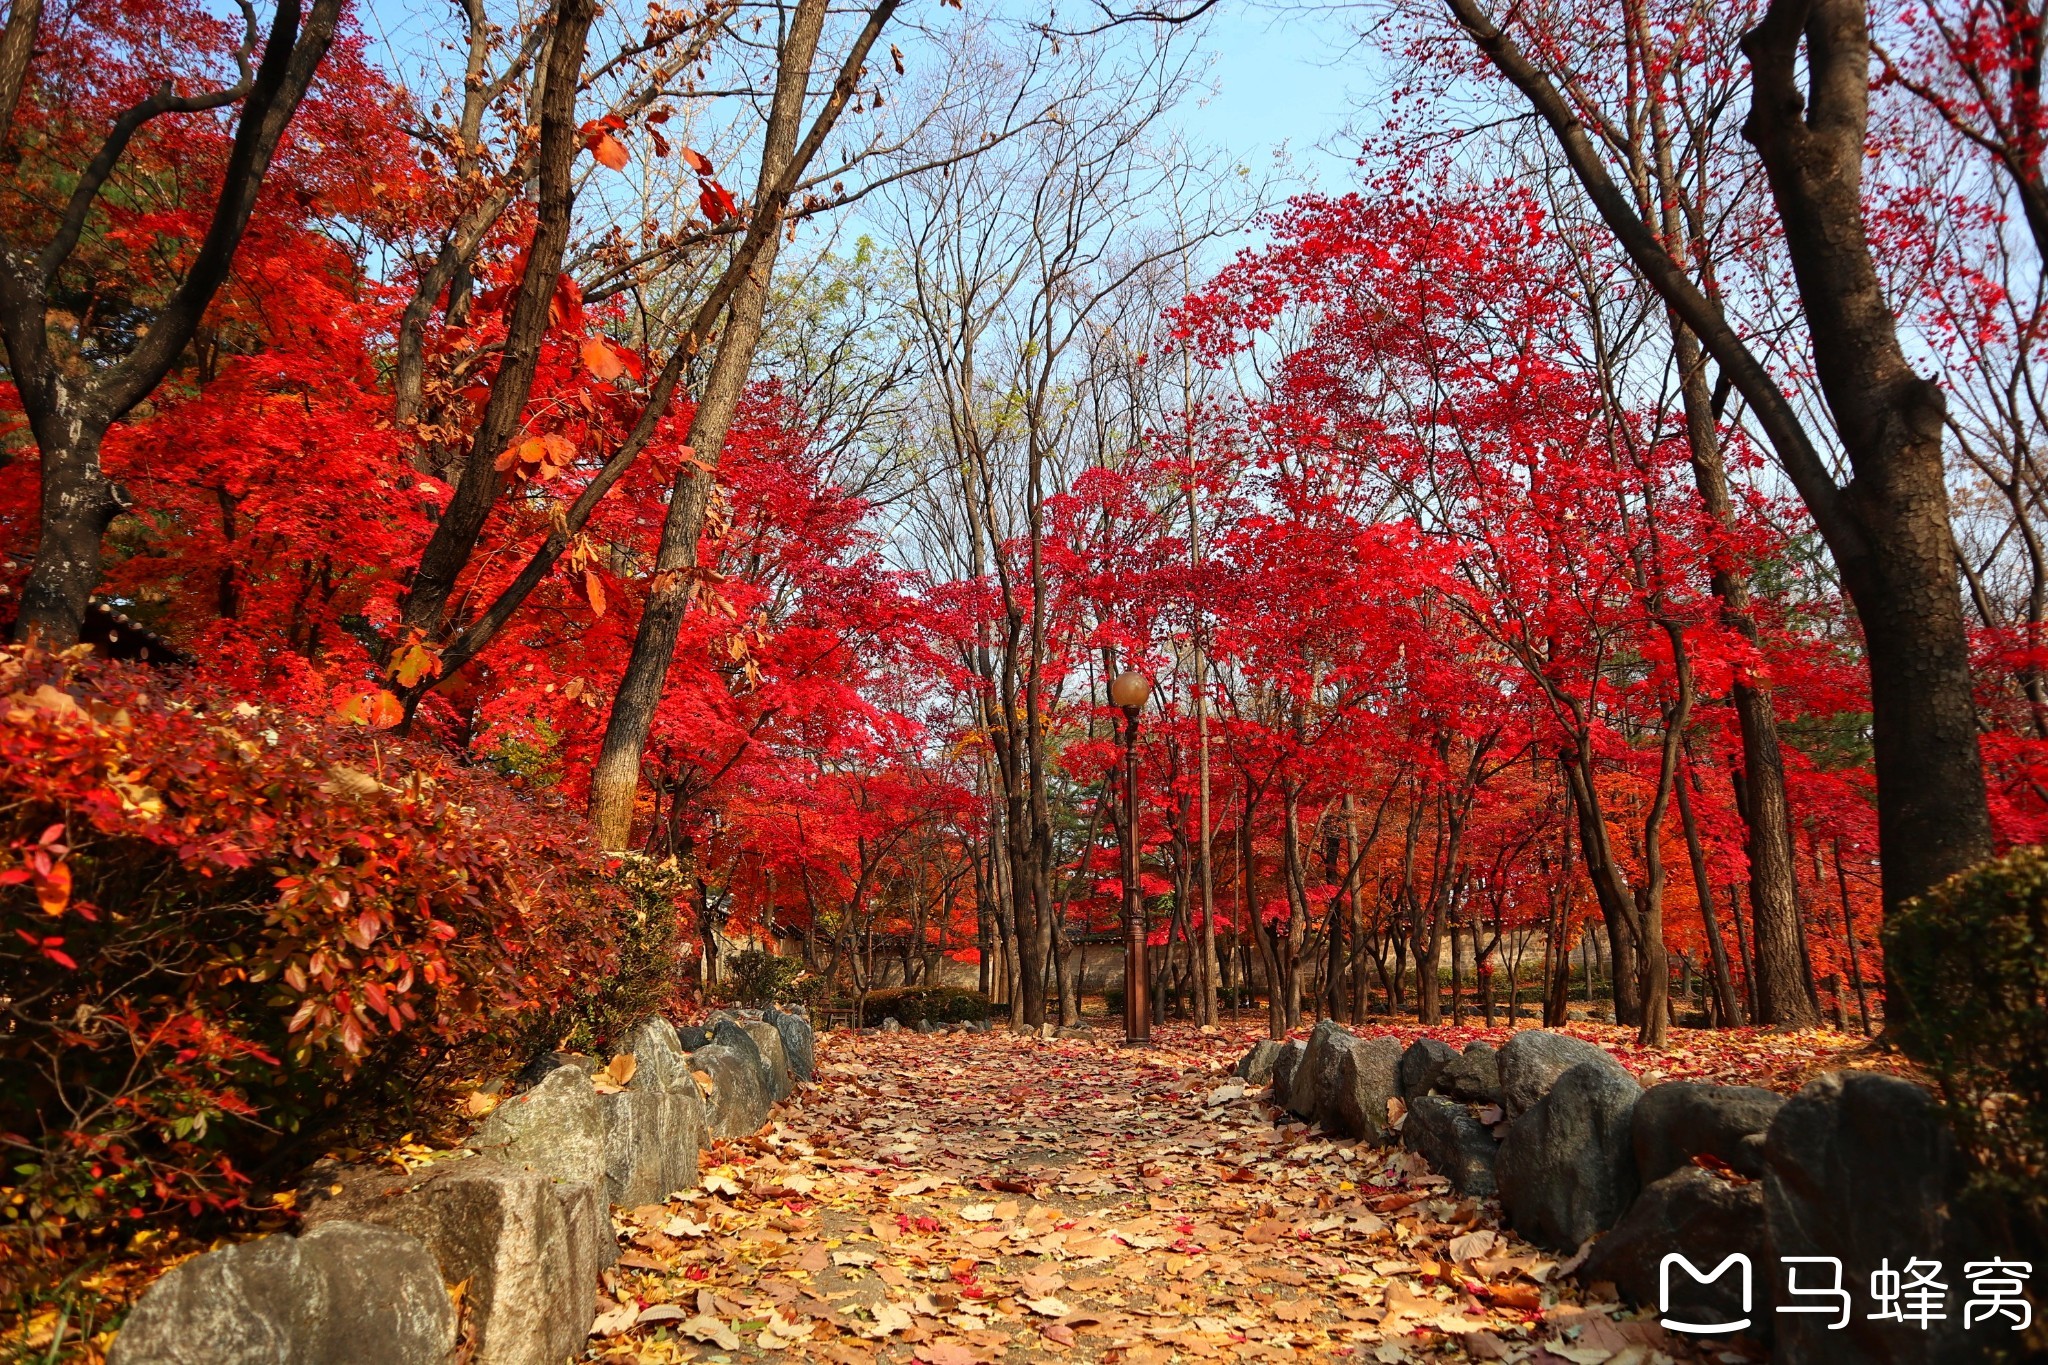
[
  {"x": 763, "y": 223},
  {"x": 282, "y": 79},
  {"x": 1114, "y": 18},
  {"x": 1796, "y": 452},
  {"x": 455, "y": 535},
  {"x": 163, "y": 100}
]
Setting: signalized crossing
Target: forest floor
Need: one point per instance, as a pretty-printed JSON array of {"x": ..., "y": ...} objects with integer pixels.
[{"x": 954, "y": 1198}]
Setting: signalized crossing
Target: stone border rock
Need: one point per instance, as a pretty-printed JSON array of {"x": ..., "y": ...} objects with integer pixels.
[
  {"x": 1586, "y": 1162},
  {"x": 525, "y": 1223}
]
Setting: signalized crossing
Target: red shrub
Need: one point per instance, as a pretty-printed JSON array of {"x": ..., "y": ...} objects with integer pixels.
[{"x": 229, "y": 930}]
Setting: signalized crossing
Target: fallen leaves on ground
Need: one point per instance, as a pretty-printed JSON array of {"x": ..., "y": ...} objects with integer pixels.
[{"x": 960, "y": 1198}]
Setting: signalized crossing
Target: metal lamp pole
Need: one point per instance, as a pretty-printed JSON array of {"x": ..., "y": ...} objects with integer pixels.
[{"x": 1131, "y": 691}]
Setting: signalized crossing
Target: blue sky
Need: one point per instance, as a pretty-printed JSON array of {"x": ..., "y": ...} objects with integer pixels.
[{"x": 1290, "y": 79}]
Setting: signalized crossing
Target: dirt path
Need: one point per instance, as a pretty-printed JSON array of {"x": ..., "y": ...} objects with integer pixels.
[{"x": 958, "y": 1198}]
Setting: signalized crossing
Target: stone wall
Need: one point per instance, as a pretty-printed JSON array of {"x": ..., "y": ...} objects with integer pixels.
[
  {"x": 1857, "y": 1167},
  {"x": 522, "y": 1219}
]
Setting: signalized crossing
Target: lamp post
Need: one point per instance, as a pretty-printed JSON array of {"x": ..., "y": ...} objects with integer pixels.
[{"x": 1130, "y": 691}]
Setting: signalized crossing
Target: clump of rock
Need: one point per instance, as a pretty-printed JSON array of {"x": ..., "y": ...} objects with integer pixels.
[
  {"x": 337, "y": 1295},
  {"x": 1257, "y": 1065},
  {"x": 1857, "y": 1167},
  {"x": 1566, "y": 1168},
  {"x": 1472, "y": 1077},
  {"x": 524, "y": 1223},
  {"x": 1445, "y": 1133}
]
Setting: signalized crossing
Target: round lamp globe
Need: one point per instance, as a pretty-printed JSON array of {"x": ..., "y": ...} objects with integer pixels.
[{"x": 1130, "y": 690}]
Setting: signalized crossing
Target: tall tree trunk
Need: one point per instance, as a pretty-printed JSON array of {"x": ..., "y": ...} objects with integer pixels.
[
  {"x": 1297, "y": 904},
  {"x": 1933, "y": 817},
  {"x": 480, "y": 483},
  {"x": 1849, "y": 938},
  {"x": 1205, "y": 873},
  {"x": 1557, "y": 986},
  {"x": 1429, "y": 961},
  {"x": 1457, "y": 974},
  {"x": 1262, "y": 934},
  {"x": 1354, "y": 909},
  {"x": 1617, "y": 909},
  {"x": 615, "y": 778},
  {"x": 1766, "y": 813},
  {"x": 1889, "y": 528},
  {"x": 1725, "y": 1003}
]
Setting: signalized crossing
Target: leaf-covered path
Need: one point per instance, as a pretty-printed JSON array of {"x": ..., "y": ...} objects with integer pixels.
[{"x": 956, "y": 1197}]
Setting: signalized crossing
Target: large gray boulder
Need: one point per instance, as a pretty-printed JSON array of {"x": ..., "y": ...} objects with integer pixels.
[
  {"x": 540, "y": 1067},
  {"x": 739, "y": 1098},
  {"x": 1301, "y": 1084},
  {"x": 592, "y": 1239},
  {"x": 1256, "y": 1066},
  {"x": 652, "y": 1140},
  {"x": 1566, "y": 1168},
  {"x": 1705, "y": 1219},
  {"x": 1285, "y": 1067},
  {"x": 728, "y": 1032},
  {"x": 654, "y": 1132},
  {"x": 557, "y": 1128},
  {"x": 659, "y": 1057},
  {"x": 1318, "y": 1097},
  {"x": 1368, "y": 1076},
  {"x": 529, "y": 1248},
  {"x": 1860, "y": 1167},
  {"x": 1532, "y": 1060},
  {"x": 1473, "y": 1076},
  {"x": 1420, "y": 1064},
  {"x": 1679, "y": 1120},
  {"x": 768, "y": 1042},
  {"x": 1444, "y": 1133},
  {"x": 799, "y": 1044},
  {"x": 342, "y": 1294}
]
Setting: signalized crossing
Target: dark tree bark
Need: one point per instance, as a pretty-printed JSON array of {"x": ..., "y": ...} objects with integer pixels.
[
  {"x": 69, "y": 413},
  {"x": 1672, "y": 208},
  {"x": 1727, "y": 1007},
  {"x": 1782, "y": 997},
  {"x": 1610, "y": 888},
  {"x": 1933, "y": 820},
  {"x": 1262, "y": 933},
  {"x": 1849, "y": 938}
]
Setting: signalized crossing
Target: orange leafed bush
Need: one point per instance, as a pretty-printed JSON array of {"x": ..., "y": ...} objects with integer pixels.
[{"x": 230, "y": 929}]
